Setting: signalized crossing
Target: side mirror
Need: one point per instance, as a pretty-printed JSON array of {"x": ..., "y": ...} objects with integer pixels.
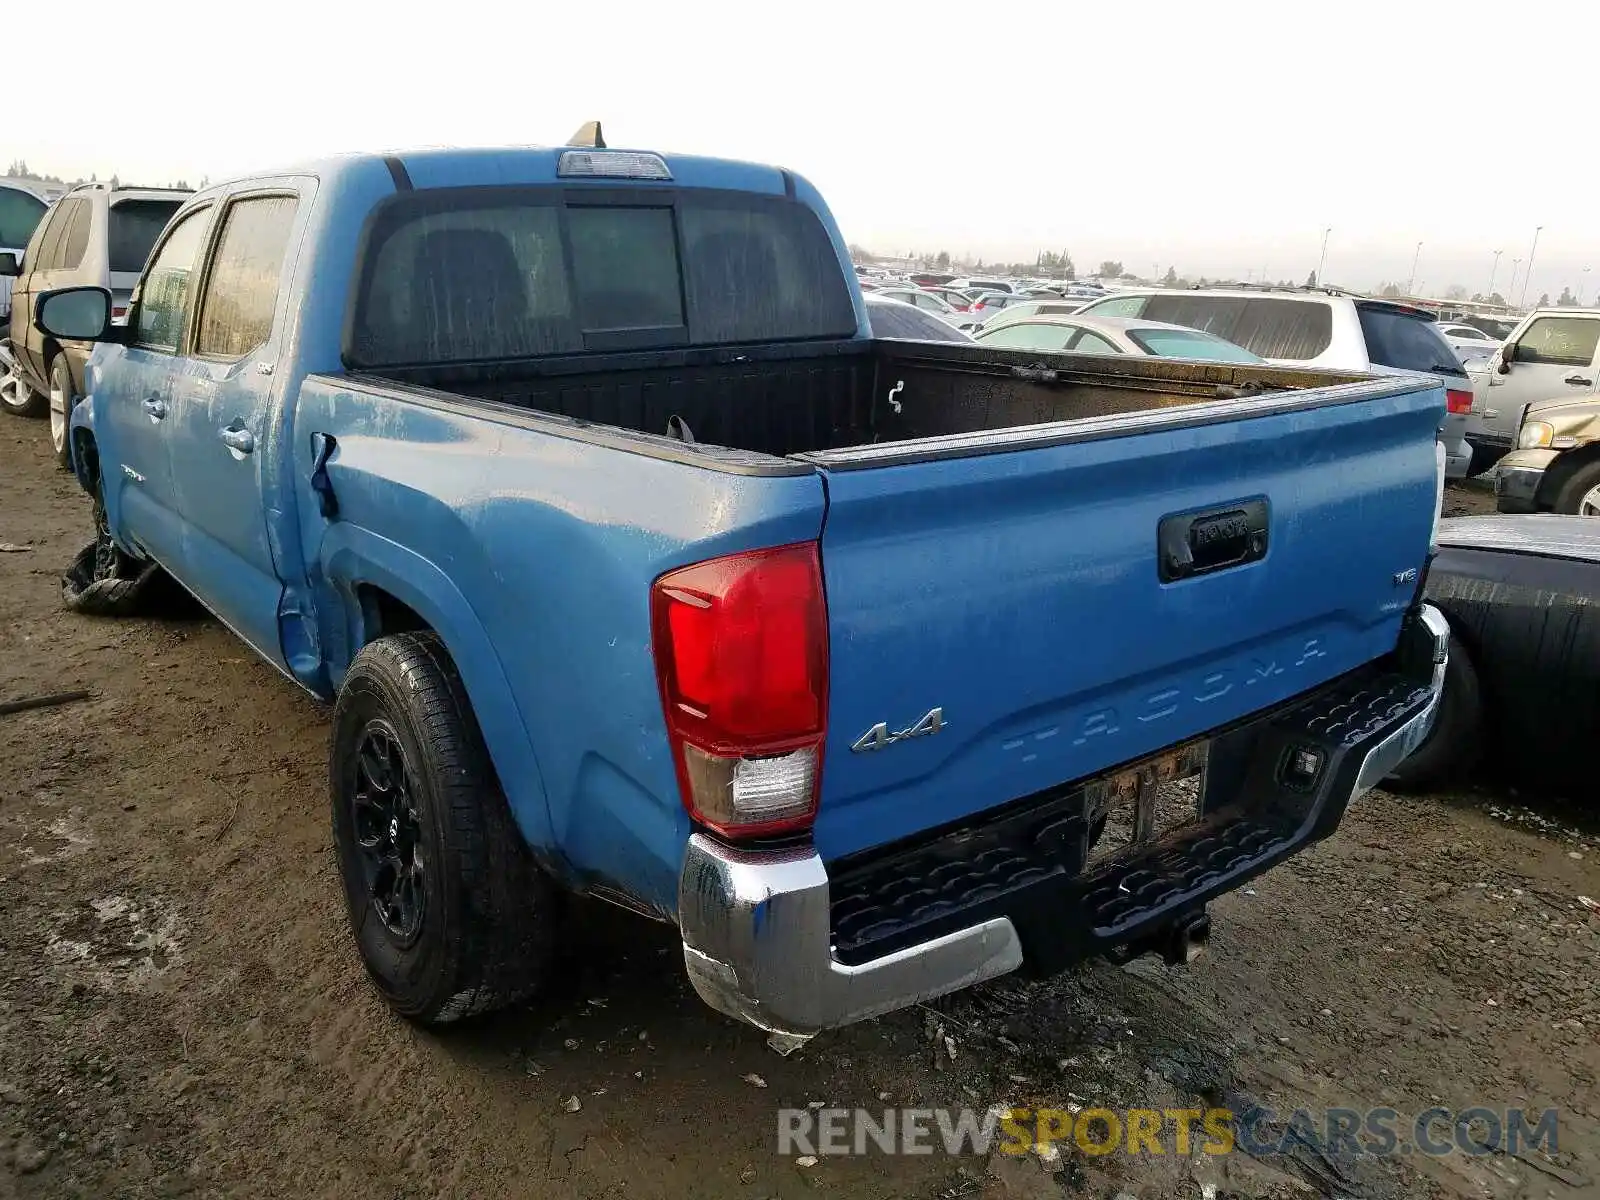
[
  {"x": 1508, "y": 355},
  {"x": 10, "y": 264},
  {"x": 77, "y": 314}
]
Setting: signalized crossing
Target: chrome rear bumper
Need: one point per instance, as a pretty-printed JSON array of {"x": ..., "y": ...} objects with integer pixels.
[{"x": 757, "y": 925}]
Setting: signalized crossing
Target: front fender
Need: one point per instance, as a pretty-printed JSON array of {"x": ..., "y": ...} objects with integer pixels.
[
  {"x": 352, "y": 556},
  {"x": 81, "y": 430}
]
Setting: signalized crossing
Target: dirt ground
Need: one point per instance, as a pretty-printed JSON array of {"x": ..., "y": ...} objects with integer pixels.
[{"x": 182, "y": 1011}]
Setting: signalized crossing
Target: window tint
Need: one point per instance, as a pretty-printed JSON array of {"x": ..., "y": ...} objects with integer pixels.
[
  {"x": 43, "y": 256},
  {"x": 761, "y": 273},
  {"x": 1189, "y": 343},
  {"x": 135, "y": 226},
  {"x": 1407, "y": 341},
  {"x": 242, "y": 289},
  {"x": 482, "y": 274},
  {"x": 1296, "y": 330},
  {"x": 625, "y": 266},
  {"x": 164, "y": 292},
  {"x": 1093, "y": 343},
  {"x": 1569, "y": 341},
  {"x": 49, "y": 229},
  {"x": 75, "y": 238},
  {"x": 1021, "y": 336},
  {"x": 893, "y": 319},
  {"x": 1118, "y": 306},
  {"x": 20, "y": 214},
  {"x": 466, "y": 283}
]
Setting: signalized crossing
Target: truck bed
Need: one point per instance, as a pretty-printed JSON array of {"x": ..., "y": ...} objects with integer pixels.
[{"x": 818, "y": 397}]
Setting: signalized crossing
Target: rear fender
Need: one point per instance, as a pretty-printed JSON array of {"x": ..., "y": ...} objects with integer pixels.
[{"x": 353, "y": 556}]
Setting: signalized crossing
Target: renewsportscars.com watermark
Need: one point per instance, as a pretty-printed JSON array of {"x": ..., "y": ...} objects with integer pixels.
[{"x": 1378, "y": 1132}]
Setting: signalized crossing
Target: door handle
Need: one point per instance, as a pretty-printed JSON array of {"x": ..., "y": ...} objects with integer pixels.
[
  {"x": 1198, "y": 543},
  {"x": 238, "y": 439},
  {"x": 1579, "y": 381},
  {"x": 155, "y": 407}
]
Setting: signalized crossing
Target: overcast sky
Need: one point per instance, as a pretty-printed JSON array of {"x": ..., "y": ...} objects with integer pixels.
[{"x": 1219, "y": 137}]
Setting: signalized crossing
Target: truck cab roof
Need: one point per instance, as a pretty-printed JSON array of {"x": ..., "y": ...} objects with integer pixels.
[{"x": 445, "y": 167}]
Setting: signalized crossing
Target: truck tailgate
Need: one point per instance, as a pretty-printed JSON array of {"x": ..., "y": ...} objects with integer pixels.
[{"x": 1020, "y": 586}]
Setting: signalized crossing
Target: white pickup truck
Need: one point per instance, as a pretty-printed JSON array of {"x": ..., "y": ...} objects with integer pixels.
[{"x": 1537, "y": 413}]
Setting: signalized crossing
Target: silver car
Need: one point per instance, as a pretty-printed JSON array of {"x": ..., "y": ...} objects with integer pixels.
[
  {"x": 1114, "y": 335},
  {"x": 891, "y": 318},
  {"x": 929, "y": 303},
  {"x": 1468, "y": 341},
  {"x": 1327, "y": 329}
]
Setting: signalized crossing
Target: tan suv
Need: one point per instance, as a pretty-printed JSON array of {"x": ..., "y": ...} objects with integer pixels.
[{"x": 95, "y": 234}]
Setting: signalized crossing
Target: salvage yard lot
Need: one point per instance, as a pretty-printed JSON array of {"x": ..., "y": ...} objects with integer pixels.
[{"x": 181, "y": 1012}]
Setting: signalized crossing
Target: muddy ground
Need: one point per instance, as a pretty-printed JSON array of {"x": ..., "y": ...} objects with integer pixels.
[{"x": 182, "y": 1012}]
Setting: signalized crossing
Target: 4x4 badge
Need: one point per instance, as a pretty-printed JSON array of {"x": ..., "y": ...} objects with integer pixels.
[{"x": 879, "y": 736}]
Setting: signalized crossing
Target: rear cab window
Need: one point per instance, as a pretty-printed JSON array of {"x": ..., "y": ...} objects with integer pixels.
[
  {"x": 1406, "y": 340},
  {"x": 458, "y": 275}
]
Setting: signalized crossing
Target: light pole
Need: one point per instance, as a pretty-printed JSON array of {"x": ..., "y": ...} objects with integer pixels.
[
  {"x": 1583, "y": 285},
  {"x": 1322, "y": 259},
  {"x": 1529, "y": 275},
  {"x": 1412, "y": 282},
  {"x": 1512, "y": 286},
  {"x": 1493, "y": 271}
]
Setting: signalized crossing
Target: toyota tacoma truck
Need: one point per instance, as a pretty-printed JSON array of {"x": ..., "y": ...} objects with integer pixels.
[{"x": 636, "y": 568}]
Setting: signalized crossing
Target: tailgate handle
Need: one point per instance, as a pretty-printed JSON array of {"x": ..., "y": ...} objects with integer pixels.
[{"x": 1199, "y": 543}]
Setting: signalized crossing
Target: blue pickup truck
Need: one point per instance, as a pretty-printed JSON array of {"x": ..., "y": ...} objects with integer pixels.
[{"x": 636, "y": 568}]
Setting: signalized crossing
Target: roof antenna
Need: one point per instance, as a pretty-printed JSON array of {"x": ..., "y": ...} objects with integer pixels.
[{"x": 588, "y": 135}]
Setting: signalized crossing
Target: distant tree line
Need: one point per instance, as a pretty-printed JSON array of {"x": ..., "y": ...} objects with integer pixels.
[{"x": 18, "y": 169}]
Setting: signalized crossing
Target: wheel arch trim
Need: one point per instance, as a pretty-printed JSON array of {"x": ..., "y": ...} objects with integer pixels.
[{"x": 351, "y": 557}]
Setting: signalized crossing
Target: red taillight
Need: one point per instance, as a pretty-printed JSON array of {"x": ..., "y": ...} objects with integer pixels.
[
  {"x": 1457, "y": 402},
  {"x": 741, "y": 649},
  {"x": 118, "y": 311}
]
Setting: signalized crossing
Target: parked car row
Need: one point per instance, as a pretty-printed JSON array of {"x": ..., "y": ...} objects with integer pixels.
[
  {"x": 22, "y": 207},
  {"x": 98, "y": 235}
]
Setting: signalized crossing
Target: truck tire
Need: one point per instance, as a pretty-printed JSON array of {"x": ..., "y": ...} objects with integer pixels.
[
  {"x": 16, "y": 397},
  {"x": 103, "y": 581},
  {"x": 1580, "y": 495},
  {"x": 449, "y": 911},
  {"x": 63, "y": 399},
  {"x": 1455, "y": 746}
]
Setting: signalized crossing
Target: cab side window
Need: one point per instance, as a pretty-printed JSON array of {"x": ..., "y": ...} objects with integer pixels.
[
  {"x": 242, "y": 288},
  {"x": 1563, "y": 341},
  {"x": 164, "y": 292}
]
